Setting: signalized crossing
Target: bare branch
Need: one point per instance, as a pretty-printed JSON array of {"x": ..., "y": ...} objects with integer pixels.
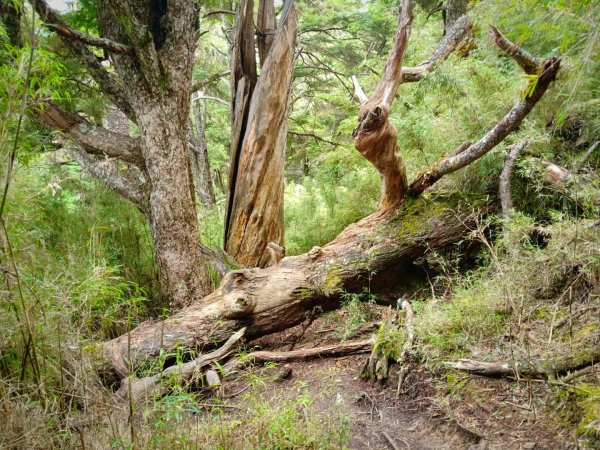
[
  {"x": 527, "y": 62},
  {"x": 449, "y": 43},
  {"x": 95, "y": 41},
  {"x": 92, "y": 138},
  {"x": 130, "y": 183},
  {"x": 107, "y": 82},
  {"x": 313, "y": 136},
  {"x": 509, "y": 123},
  {"x": 359, "y": 94},
  {"x": 218, "y": 12},
  {"x": 200, "y": 84}
]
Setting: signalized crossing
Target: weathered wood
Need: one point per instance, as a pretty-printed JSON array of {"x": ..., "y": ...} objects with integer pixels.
[
  {"x": 455, "y": 36},
  {"x": 545, "y": 369},
  {"x": 375, "y": 137},
  {"x": 265, "y": 24},
  {"x": 276, "y": 298},
  {"x": 327, "y": 351},
  {"x": 255, "y": 211},
  {"x": 144, "y": 388}
]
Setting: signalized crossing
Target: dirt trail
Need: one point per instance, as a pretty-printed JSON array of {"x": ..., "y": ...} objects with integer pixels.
[{"x": 491, "y": 415}]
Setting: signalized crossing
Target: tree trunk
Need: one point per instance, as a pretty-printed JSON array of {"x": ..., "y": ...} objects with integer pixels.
[
  {"x": 265, "y": 24},
  {"x": 275, "y": 298},
  {"x": 255, "y": 205},
  {"x": 183, "y": 270},
  {"x": 198, "y": 153}
]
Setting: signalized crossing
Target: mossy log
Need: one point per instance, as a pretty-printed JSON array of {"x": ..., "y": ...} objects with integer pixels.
[{"x": 276, "y": 298}]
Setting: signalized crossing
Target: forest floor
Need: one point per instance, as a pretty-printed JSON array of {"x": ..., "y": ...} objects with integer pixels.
[{"x": 431, "y": 413}]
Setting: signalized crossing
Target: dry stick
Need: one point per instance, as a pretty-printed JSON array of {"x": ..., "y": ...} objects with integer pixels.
[
  {"x": 392, "y": 442},
  {"x": 137, "y": 390},
  {"x": 408, "y": 345},
  {"x": 504, "y": 188},
  {"x": 585, "y": 157},
  {"x": 347, "y": 348},
  {"x": 544, "y": 369}
]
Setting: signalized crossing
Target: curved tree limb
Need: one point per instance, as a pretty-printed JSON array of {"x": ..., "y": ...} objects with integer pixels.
[
  {"x": 130, "y": 183},
  {"x": 509, "y": 123},
  {"x": 94, "y": 41},
  {"x": 92, "y": 138},
  {"x": 459, "y": 31},
  {"x": 375, "y": 137},
  {"x": 528, "y": 63},
  {"x": 107, "y": 82}
]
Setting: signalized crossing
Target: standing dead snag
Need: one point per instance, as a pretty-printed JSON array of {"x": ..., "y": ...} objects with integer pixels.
[{"x": 254, "y": 215}]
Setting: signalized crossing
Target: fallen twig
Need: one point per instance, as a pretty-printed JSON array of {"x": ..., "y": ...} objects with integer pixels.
[{"x": 143, "y": 388}]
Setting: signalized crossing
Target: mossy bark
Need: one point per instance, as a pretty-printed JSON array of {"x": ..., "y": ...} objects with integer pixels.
[{"x": 376, "y": 251}]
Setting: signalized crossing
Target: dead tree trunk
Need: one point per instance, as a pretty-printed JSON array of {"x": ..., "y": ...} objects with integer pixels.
[
  {"x": 266, "y": 26},
  {"x": 255, "y": 204},
  {"x": 276, "y": 298}
]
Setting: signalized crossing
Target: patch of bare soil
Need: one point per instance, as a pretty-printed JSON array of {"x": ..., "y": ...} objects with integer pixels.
[{"x": 475, "y": 414}]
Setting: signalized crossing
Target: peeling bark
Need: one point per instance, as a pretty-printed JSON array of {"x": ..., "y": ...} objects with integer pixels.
[
  {"x": 276, "y": 298},
  {"x": 255, "y": 211},
  {"x": 375, "y": 137}
]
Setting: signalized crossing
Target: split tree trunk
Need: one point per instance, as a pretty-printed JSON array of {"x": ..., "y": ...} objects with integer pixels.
[{"x": 255, "y": 204}]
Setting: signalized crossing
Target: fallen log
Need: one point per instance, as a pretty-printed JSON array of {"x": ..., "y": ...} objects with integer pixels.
[
  {"x": 545, "y": 369},
  {"x": 276, "y": 298}
]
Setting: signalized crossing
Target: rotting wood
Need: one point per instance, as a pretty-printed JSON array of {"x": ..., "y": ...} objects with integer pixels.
[{"x": 276, "y": 298}]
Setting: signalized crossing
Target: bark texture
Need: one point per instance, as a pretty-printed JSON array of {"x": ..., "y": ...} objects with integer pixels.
[
  {"x": 265, "y": 24},
  {"x": 151, "y": 48},
  {"x": 375, "y": 137},
  {"x": 275, "y": 298},
  {"x": 255, "y": 207}
]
